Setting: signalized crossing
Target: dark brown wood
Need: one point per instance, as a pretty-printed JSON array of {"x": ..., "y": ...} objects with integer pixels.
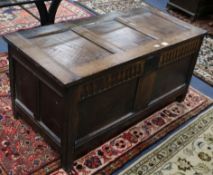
[
  {"x": 71, "y": 126},
  {"x": 194, "y": 8},
  {"x": 47, "y": 15},
  {"x": 82, "y": 83}
]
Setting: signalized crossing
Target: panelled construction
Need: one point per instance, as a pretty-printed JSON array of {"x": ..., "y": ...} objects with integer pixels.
[{"x": 84, "y": 82}]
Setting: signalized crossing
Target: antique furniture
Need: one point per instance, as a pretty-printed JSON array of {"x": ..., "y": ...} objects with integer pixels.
[
  {"x": 47, "y": 15},
  {"x": 194, "y": 8},
  {"x": 82, "y": 83}
]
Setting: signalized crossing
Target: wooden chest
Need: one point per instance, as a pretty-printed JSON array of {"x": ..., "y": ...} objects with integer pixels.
[{"x": 82, "y": 83}]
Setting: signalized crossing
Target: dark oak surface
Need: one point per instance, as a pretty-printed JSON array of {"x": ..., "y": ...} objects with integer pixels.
[{"x": 82, "y": 83}]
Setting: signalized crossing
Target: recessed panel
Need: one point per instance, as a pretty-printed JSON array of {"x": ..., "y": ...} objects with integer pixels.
[
  {"x": 157, "y": 25},
  {"x": 25, "y": 87},
  {"x": 120, "y": 34}
]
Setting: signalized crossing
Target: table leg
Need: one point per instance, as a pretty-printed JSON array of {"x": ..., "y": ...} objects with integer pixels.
[
  {"x": 47, "y": 16},
  {"x": 53, "y": 10},
  {"x": 43, "y": 13}
]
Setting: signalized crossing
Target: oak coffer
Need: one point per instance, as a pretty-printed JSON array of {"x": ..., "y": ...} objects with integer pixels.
[{"x": 82, "y": 83}]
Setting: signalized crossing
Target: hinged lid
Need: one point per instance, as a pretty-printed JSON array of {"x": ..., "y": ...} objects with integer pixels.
[{"x": 70, "y": 51}]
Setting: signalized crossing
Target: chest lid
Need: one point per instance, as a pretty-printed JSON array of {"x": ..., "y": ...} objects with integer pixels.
[{"x": 73, "y": 51}]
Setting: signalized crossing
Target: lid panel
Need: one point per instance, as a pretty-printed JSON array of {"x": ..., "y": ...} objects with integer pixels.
[
  {"x": 156, "y": 24},
  {"x": 120, "y": 35},
  {"x": 53, "y": 39},
  {"x": 75, "y": 52},
  {"x": 104, "y": 27}
]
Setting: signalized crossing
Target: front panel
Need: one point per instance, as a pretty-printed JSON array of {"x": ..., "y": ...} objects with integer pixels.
[
  {"x": 25, "y": 89},
  {"x": 108, "y": 98},
  {"x": 51, "y": 112},
  {"x": 104, "y": 109},
  {"x": 174, "y": 69}
]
